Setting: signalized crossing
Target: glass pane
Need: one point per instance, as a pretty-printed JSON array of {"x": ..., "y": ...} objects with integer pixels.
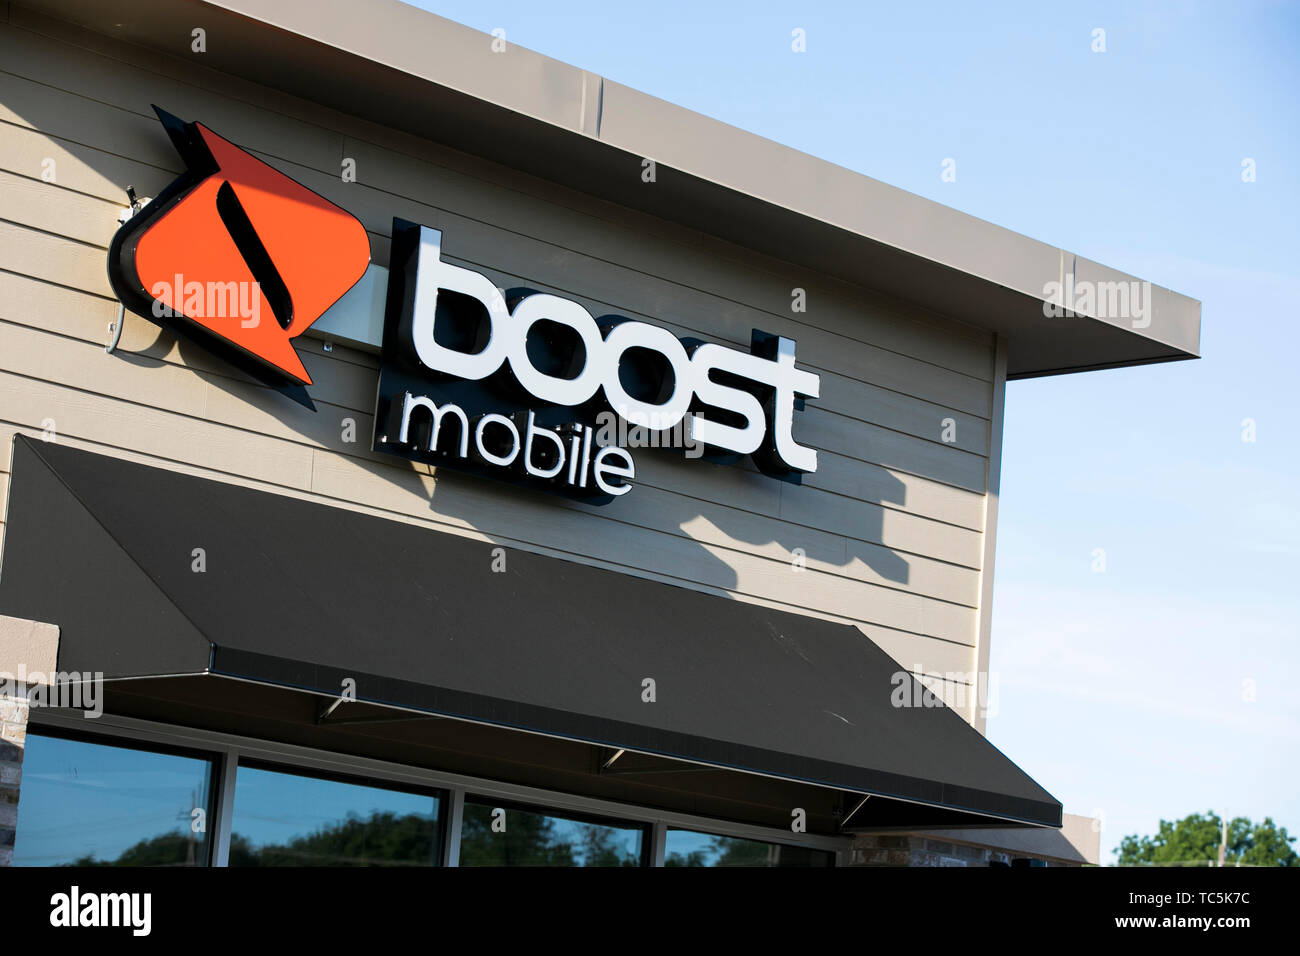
[
  {"x": 495, "y": 834},
  {"x": 688, "y": 848},
  {"x": 285, "y": 818},
  {"x": 95, "y": 804}
]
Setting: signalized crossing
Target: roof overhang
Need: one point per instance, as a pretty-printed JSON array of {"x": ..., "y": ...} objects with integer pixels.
[
  {"x": 151, "y": 574},
  {"x": 404, "y": 68}
]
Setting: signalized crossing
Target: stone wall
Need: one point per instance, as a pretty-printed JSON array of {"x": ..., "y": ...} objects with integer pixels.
[
  {"x": 13, "y": 735},
  {"x": 27, "y": 648}
]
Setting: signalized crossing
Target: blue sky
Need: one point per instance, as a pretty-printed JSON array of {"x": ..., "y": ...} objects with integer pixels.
[{"x": 1120, "y": 691}]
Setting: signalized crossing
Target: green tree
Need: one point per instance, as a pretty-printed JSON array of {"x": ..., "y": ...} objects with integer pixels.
[
  {"x": 381, "y": 839},
  {"x": 599, "y": 846},
  {"x": 167, "y": 849},
  {"x": 529, "y": 840},
  {"x": 1196, "y": 838},
  {"x": 694, "y": 858}
]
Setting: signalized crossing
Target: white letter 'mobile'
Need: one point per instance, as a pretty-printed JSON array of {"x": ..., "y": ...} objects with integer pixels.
[{"x": 742, "y": 430}]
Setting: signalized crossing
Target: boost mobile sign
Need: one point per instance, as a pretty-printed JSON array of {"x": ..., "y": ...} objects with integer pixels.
[
  {"x": 530, "y": 388},
  {"x": 525, "y": 387}
]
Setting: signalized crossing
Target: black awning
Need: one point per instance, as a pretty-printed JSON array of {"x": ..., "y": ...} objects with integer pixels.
[{"x": 302, "y": 595}]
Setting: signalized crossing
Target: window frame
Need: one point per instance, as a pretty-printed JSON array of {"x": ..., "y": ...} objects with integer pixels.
[
  {"x": 62, "y": 731},
  {"x": 834, "y": 860},
  {"x": 440, "y": 794},
  {"x": 621, "y": 821},
  {"x": 229, "y": 749}
]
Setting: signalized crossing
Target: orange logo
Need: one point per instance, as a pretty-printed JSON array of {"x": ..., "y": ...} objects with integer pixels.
[{"x": 239, "y": 251}]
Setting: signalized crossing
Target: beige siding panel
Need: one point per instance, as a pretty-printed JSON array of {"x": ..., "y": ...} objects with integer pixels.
[
  {"x": 834, "y": 306},
  {"x": 816, "y": 509},
  {"x": 513, "y": 260},
  {"x": 761, "y": 536},
  {"x": 34, "y": 354},
  {"x": 868, "y": 521},
  {"x": 588, "y": 248},
  {"x": 38, "y": 355},
  {"x": 395, "y": 142},
  {"x": 80, "y": 266},
  {"x": 131, "y": 89},
  {"x": 476, "y": 504},
  {"x": 55, "y": 209},
  {"x": 41, "y": 305},
  {"x": 869, "y": 482},
  {"x": 840, "y": 393},
  {"x": 41, "y": 205},
  {"x": 841, "y": 396},
  {"x": 548, "y": 212},
  {"x": 865, "y": 442},
  {"x": 958, "y": 545},
  {"x": 903, "y": 413},
  {"x": 175, "y": 388},
  {"x": 100, "y": 77},
  {"x": 486, "y": 247},
  {"x": 249, "y": 406},
  {"x": 110, "y": 421},
  {"x": 70, "y": 116},
  {"x": 30, "y": 353},
  {"x": 54, "y": 259},
  {"x": 82, "y": 168}
]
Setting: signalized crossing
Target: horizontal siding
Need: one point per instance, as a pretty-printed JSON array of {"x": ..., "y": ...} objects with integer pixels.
[
  {"x": 890, "y": 524},
  {"x": 822, "y": 426},
  {"x": 85, "y": 169},
  {"x": 128, "y": 90},
  {"x": 607, "y": 288},
  {"x": 82, "y": 365},
  {"x": 306, "y": 134},
  {"x": 348, "y": 386},
  {"x": 462, "y": 504}
]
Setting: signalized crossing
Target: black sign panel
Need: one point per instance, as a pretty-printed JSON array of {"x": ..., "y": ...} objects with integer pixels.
[{"x": 474, "y": 412}]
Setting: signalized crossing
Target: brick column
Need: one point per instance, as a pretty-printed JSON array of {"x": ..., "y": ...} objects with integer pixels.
[
  {"x": 13, "y": 736},
  {"x": 26, "y": 648}
]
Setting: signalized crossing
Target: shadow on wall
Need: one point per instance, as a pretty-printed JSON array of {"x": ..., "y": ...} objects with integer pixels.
[
  {"x": 665, "y": 528},
  {"x": 713, "y": 525}
]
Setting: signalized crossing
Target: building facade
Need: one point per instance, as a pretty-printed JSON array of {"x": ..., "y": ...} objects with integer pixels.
[{"x": 287, "y": 607}]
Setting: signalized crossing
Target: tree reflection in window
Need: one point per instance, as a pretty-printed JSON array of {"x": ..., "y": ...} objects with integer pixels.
[
  {"x": 289, "y": 817},
  {"x": 530, "y": 837}
]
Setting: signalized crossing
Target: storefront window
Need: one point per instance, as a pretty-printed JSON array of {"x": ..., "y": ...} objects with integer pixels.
[
  {"x": 96, "y": 804},
  {"x": 497, "y": 834},
  {"x": 289, "y": 818},
  {"x": 108, "y": 801},
  {"x": 688, "y": 848}
]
